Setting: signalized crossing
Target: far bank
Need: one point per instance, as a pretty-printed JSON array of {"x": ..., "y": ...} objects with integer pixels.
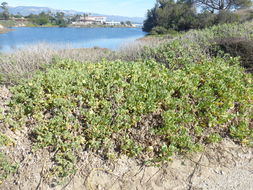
[{"x": 4, "y": 29}]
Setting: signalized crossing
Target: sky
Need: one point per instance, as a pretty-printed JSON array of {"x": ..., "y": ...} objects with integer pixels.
[{"x": 132, "y": 8}]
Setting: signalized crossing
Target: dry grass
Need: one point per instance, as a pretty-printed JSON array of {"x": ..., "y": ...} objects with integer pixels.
[
  {"x": 24, "y": 62},
  {"x": 134, "y": 51}
]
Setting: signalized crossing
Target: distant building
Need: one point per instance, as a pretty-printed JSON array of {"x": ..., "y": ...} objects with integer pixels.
[
  {"x": 87, "y": 20},
  {"x": 112, "y": 23},
  {"x": 21, "y": 19},
  {"x": 137, "y": 25}
]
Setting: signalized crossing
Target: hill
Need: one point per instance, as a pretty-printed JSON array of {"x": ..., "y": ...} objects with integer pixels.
[{"x": 26, "y": 10}]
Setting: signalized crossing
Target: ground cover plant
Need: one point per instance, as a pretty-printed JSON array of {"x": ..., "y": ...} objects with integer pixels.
[
  {"x": 7, "y": 168},
  {"x": 139, "y": 109}
]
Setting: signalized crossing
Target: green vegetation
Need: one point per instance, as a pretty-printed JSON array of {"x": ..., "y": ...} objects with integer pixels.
[
  {"x": 220, "y": 5},
  {"x": 232, "y": 39},
  {"x": 5, "y": 14},
  {"x": 6, "y": 167},
  {"x": 182, "y": 15},
  {"x": 8, "y": 23},
  {"x": 42, "y": 19},
  {"x": 49, "y": 19},
  {"x": 170, "y": 101},
  {"x": 148, "y": 103}
]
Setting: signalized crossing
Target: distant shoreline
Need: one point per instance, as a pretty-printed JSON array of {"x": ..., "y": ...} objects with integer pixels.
[
  {"x": 76, "y": 26},
  {"x": 4, "y": 30}
]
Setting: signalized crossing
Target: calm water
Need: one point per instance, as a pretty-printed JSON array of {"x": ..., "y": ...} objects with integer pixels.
[{"x": 111, "y": 38}]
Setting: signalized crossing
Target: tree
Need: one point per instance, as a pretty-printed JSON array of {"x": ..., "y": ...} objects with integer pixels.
[
  {"x": 151, "y": 20},
  {"x": 76, "y": 18},
  {"x": 6, "y": 14},
  {"x": 60, "y": 19},
  {"x": 41, "y": 19},
  {"x": 219, "y": 5},
  {"x": 170, "y": 15},
  {"x": 128, "y": 23}
]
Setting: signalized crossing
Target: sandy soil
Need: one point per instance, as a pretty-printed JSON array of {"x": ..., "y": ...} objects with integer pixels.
[{"x": 221, "y": 166}]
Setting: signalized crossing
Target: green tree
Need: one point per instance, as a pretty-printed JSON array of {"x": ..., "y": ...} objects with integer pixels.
[
  {"x": 219, "y": 5},
  {"x": 76, "y": 18},
  {"x": 151, "y": 20},
  {"x": 129, "y": 23},
  {"x": 60, "y": 19},
  {"x": 41, "y": 19},
  {"x": 4, "y": 7},
  {"x": 171, "y": 15},
  {"x": 206, "y": 19}
]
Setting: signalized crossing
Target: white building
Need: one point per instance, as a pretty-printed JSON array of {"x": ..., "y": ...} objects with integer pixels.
[
  {"x": 87, "y": 20},
  {"x": 112, "y": 23}
]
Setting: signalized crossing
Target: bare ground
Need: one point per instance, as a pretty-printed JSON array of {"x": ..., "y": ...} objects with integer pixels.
[{"x": 221, "y": 166}]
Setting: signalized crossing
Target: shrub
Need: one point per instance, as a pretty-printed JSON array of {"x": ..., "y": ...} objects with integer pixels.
[
  {"x": 138, "y": 109},
  {"x": 197, "y": 45},
  {"x": 158, "y": 30},
  {"x": 226, "y": 17},
  {"x": 245, "y": 14},
  {"x": 175, "y": 53},
  {"x": 238, "y": 47},
  {"x": 205, "y": 19}
]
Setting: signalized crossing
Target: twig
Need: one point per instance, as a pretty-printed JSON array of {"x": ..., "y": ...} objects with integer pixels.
[
  {"x": 193, "y": 172},
  {"x": 153, "y": 175},
  {"x": 65, "y": 186},
  {"x": 41, "y": 174}
]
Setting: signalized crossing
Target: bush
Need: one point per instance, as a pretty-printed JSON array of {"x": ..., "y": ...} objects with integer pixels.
[
  {"x": 205, "y": 19},
  {"x": 245, "y": 14},
  {"x": 233, "y": 39},
  {"x": 238, "y": 47},
  {"x": 138, "y": 109},
  {"x": 226, "y": 17},
  {"x": 159, "y": 30},
  {"x": 212, "y": 41}
]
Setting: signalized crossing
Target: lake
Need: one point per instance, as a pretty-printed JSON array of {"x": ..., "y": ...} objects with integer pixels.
[{"x": 111, "y": 38}]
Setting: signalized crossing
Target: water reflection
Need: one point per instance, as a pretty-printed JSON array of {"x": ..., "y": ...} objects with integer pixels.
[{"x": 111, "y": 38}]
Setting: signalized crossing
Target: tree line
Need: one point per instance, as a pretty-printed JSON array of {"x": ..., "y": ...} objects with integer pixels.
[
  {"x": 43, "y": 18},
  {"x": 182, "y": 15}
]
